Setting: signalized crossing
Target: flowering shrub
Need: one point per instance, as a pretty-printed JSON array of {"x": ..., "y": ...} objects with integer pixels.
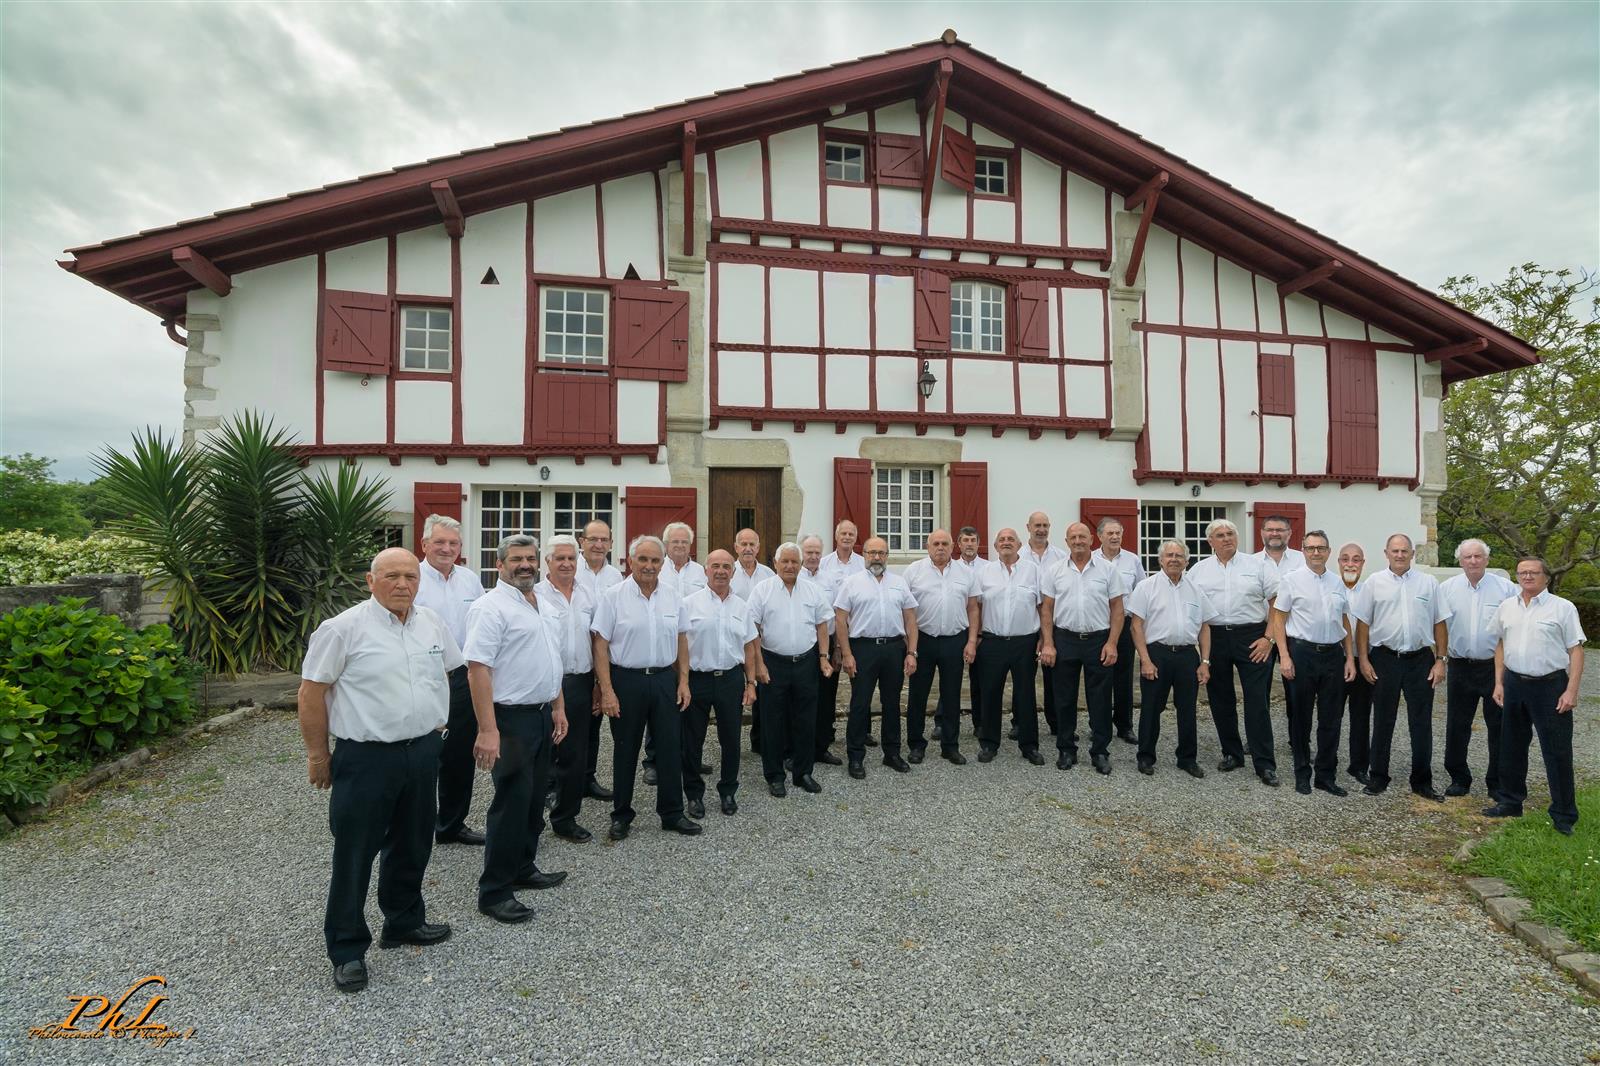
[{"x": 38, "y": 559}]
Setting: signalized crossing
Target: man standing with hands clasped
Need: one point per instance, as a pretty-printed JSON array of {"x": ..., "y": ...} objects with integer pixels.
[
  {"x": 722, "y": 679},
  {"x": 876, "y": 620},
  {"x": 947, "y": 640},
  {"x": 1473, "y": 596},
  {"x": 1315, "y": 656},
  {"x": 1081, "y": 620},
  {"x": 792, "y": 616},
  {"x": 1171, "y": 630}
]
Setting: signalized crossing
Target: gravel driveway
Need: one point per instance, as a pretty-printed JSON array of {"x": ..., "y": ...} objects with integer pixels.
[{"x": 988, "y": 914}]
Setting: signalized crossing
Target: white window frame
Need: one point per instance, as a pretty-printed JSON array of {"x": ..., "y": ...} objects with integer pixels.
[
  {"x": 586, "y": 358},
  {"x": 1187, "y": 524},
  {"x": 905, "y": 505},
  {"x": 974, "y": 304},
  {"x": 436, "y": 339},
  {"x": 538, "y": 510},
  {"x": 990, "y": 170},
  {"x": 844, "y": 165}
]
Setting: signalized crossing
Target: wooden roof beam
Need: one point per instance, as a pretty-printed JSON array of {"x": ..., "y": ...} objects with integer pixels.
[
  {"x": 444, "y": 197},
  {"x": 1456, "y": 351},
  {"x": 1148, "y": 195},
  {"x": 202, "y": 270},
  {"x": 690, "y": 133},
  {"x": 1310, "y": 277},
  {"x": 1147, "y": 192},
  {"x": 940, "y": 91}
]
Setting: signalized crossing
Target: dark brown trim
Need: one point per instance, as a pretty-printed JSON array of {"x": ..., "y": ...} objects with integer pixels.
[
  {"x": 202, "y": 270},
  {"x": 1320, "y": 341},
  {"x": 885, "y": 238},
  {"x": 444, "y": 197},
  {"x": 690, "y": 134},
  {"x": 887, "y": 264},
  {"x": 1310, "y": 278}
]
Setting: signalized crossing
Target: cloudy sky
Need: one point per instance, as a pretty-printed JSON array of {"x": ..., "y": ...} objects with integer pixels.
[{"x": 1436, "y": 138}]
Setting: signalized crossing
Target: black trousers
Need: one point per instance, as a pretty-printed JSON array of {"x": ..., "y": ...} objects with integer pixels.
[
  {"x": 1079, "y": 654},
  {"x": 1318, "y": 688},
  {"x": 789, "y": 725},
  {"x": 1017, "y": 658},
  {"x": 1177, "y": 673},
  {"x": 721, "y": 691},
  {"x": 1122, "y": 680},
  {"x": 594, "y": 741},
  {"x": 1402, "y": 675},
  {"x": 645, "y": 697},
  {"x": 1531, "y": 708},
  {"x": 573, "y": 757},
  {"x": 880, "y": 666},
  {"x": 1049, "y": 674},
  {"x": 1466, "y": 683},
  {"x": 1358, "y": 706},
  {"x": 1230, "y": 651},
  {"x": 456, "y": 770},
  {"x": 827, "y": 707},
  {"x": 975, "y": 692},
  {"x": 937, "y": 656},
  {"x": 516, "y": 814},
  {"x": 382, "y": 807}
]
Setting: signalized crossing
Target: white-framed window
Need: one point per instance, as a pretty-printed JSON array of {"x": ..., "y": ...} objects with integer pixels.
[
  {"x": 905, "y": 506},
  {"x": 1185, "y": 522},
  {"x": 390, "y": 535},
  {"x": 501, "y": 513},
  {"x": 425, "y": 340},
  {"x": 572, "y": 509},
  {"x": 845, "y": 161},
  {"x": 573, "y": 326},
  {"x": 977, "y": 317},
  {"x": 991, "y": 174}
]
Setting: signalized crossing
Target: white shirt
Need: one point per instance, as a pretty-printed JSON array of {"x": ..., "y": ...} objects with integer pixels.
[
  {"x": 828, "y": 582},
  {"x": 1128, "y": 565},
  {"x": 830, "y": 564},
  {"x": 643, "y": 632},
  {"x": 1293, "y": 559},
  {"x": 609, "y": 577},
  {"x": 718, "y": 630},
  {"x": 449, "y": 597},
  {"x": 1010, "y": 598},
  {"x": 789, "y": 617},
  {"x": 1537, "y": 635},
  {"x": 876, "y": 607},
  {"x": 1045, "y": 560},
  {"x": 573, "y": 618},
  {"x": 1082, "y": 597},
  {"x": 690, "y": 579},
  {"x": 1172, "y": 614},
  {"x": 1472, "y": 612},
  {"x": 387, "y": 677},
  {"x": 941, "y": 596},
  {"x": 743, "y": 583},
  {"x": 520, "y": 644},
  {"x": 1239, "y": 591},
  {"x": 976, "y": 566},
  {"x": 1315, "y": 603},
  {"x": 1400, "y": 612}
]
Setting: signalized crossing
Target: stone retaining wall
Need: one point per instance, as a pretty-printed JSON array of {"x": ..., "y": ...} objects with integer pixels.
[{"x": 130, "y": 597}]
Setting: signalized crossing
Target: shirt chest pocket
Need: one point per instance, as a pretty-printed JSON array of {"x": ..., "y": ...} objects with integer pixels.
[
  {"x": 1191, "y": 612},
  {"x": 427, "y": 670}
]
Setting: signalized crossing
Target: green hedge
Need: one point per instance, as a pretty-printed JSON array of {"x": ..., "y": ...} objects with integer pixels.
[{"x": 38, "y": 559}]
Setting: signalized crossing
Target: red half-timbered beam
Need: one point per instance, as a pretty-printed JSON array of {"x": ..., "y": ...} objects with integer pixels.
[
  {"x": 1310, "y": 278},
  {"x": 941, "y": 91},
  {"x": 1149, "y": 195},
  {"x": 202, "y": 270},
  {"x": 1456, "y": 351},
  {"x": 690, "y": 132},
  {"x": 444, "y": 197},
  {"x": 1147, "y": 192}
]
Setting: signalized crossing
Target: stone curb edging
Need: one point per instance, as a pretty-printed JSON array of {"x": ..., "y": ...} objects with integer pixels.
[
  {"x": 63, "y": 790},
  {"x": 1509, "y": 911}
]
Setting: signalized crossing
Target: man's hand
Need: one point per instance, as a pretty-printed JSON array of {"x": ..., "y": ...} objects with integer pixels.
[
  {"x": 910, "y": 664},
  {"x": 1436, "y": 673},
  {"x": 1349, "y": 670},
  {"x": 1564, "y": 702},
  {"x": 969, "y": 654},
  {"x": 1260, "y": 650},
  {"x": 763, "y": 675},
  {"x": 558, "y": 731},
  {"x": 683, "y": 695},
  {"x": 1499, "y": 697},
  {"x": 749, "y": 695},
  {"x": 827, "y": 668},
  {"x": 1147, "y": 668},
  {"x": 1047, "y": 655},
  {"x": 608, "y": 703},
  {"x": 1108, "y": 654},
  {"x": 319, "y": 768},
  {"x": 1286, "y": 667},
  {"x": 1204, "y": 673},
  {"x": 1368, "y": 672},
  {"x": 486, "y": 749},
  {"x": 849, "y": 664}
]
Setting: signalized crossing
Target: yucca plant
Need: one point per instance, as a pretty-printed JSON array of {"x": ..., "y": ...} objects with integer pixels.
[{"x": 339, "y": 515}]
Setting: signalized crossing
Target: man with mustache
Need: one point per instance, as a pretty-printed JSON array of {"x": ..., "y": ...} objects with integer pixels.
[
  {"x": 876, "y": 620},
  {"x": 1314, "y": 648}
]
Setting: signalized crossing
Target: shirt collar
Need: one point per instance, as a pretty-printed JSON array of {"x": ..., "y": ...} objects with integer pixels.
[{"x": 380, "y": 611}]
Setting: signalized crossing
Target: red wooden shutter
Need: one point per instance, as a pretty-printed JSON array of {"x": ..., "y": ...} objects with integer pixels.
[
  {"x": 852, "y": 493},
  {"x": 932, "y": 310},
  {"x": 969, "y": 501},
  {"x": 650, "y": 510},
  {"x": 1091, "y": 510},
  {"x": 1294, "y": 512},
  {"x": 650, "y": 333},
  {"x": 572, "y": 407},
  {"x": 958, "y": 160},
  {"x": 1276, "y": 375},
  {"x": 1030, "y": 318},
  {"x": 1352, "y": 409},
  {"x": 897, "y": 159},
  {"x": 434, "y": 497},
  {"x": 357, "y": 332}
]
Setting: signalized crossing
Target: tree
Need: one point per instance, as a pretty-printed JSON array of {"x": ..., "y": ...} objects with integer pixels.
[
  {"x": 30, "y": 499},
  {"x": 1524, "y": 446}
]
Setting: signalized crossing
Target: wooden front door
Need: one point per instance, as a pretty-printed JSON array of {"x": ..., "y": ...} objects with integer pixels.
[{"x": 741, "y": 499}]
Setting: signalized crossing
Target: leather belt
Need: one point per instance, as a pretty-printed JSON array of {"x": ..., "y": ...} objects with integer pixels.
[
  {"x": 1091, "y": 634},
  {"x": 1235, "y": 626},
  {"x": 1313, "y": 645},
  {"x": 1551, "y": 676},
  {"x": 1175, "y": 647},
  {"x": 1404, "y": 654},
  {"x": 881, "y": 640},
  {"x": 645, "y": 670},
  {"x": 1020, "y": 636},
  {"x": 712, "y": 673},
  {"x": 809, "y": 653}
]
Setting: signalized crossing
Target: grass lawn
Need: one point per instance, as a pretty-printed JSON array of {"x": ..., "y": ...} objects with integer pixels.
[{"x": 1559, "y": 875}]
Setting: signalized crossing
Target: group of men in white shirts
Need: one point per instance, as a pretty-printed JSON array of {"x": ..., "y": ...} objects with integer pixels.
[{"x": 434, "y": 678}]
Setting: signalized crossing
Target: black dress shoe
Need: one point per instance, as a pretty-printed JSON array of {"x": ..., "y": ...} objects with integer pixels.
[
  {"x": 897, "y": 764},
  {"x": 649, "y": 775},
  {"x": 1033, "y": 756},
  {"x": 572, "y": 831},
  {"x": 682, "y": 825},
  {"x": 694, "y": 808},
  {"x": 421, "y": 936},
  {"x": 857, "y": 771},
  {"x": 954, "y": 757},
  {"x": 1268, "y": 778},
  {"x": 916, "y": 755},
  {"x": 788, "y": 765},
  {"x": 1127, "y": 737},
  {"x": 986, "y": 755},
  {"x": 807, "y": 782},
  {"x": 1428, "y": 794},
  {"x": 1360, "y": 775},
  {"x": 828, "y": 758},
  {"x": 1102, "y": 763},
  {"x": 1457, "y": 789},
  {"x": 1229, "y": 764},
  {"x": 1374, "y": 790},
  {"x": 509, "y": 911},
  {"x": 1564, "y": 830},
  {"x": 595, "y": 790},
  {"x": 705, "y": 768},
  {"x": 618, "y": 830},
  {"x": 1500, "y": 810},
  {"x": 1303, "y": 787},
  {"x": 1147, "y": 768},
  {"x": 540, "y": 879},
  {"x": 1193, "y": 770},
  {"x": 461, "y": 836},
  {"x": 777, "y": 788},
  {"x": 729, "y": 805},
  {"x": 1332, "y": 789},
  {"x": 871, "y": 741},
  {"x": 350, "y": 976},
  {"x": 1065, "y": 761}
]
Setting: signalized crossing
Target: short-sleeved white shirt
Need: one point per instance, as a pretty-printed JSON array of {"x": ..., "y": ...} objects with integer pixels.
[
  {"x": 828, "y": 582},
  {"x": 642, "y": 631},
  {"x": 1400, "y": 611},
  {"x": 1128, "y": 565},
  {"x": 718, "y": 630},
  {"x": 1239, "y": 590},
  {"x": 1082, "y": 598},
  {"x": 1010, "y": 597},
  {"x": 1538, "y": 636},
  {"x": 941, "y": 596},
  {"x": 520, "y": 644},
  {"x": 876, "y": 607},
  {"x": 388, "y": 679},
  {"x": 449, "y": 597},
  {"x": 830, "y": 564},
  {"x": 1293, "y": 559},
  {"x": 1472, "y": 611},
  {"x": 689, "y": 580},
  {"x": 1172, "y": 613},
  {"x": 573, "y": 618},
  {"x": 609, "y": 577},
  {"x": 743, "y": 583},
  {"x": 789, "y": 617},
  {"x": 1315, "y": 603}
]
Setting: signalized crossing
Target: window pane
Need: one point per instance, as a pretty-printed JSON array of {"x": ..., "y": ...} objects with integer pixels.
[
  {"x": 592, "y": 348},
  {"x": 439, "y": 319},
  {"x": 438, "y": 360},
  {"x": 595, "y": 302},
  {"x": 574, "y": 300}
]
